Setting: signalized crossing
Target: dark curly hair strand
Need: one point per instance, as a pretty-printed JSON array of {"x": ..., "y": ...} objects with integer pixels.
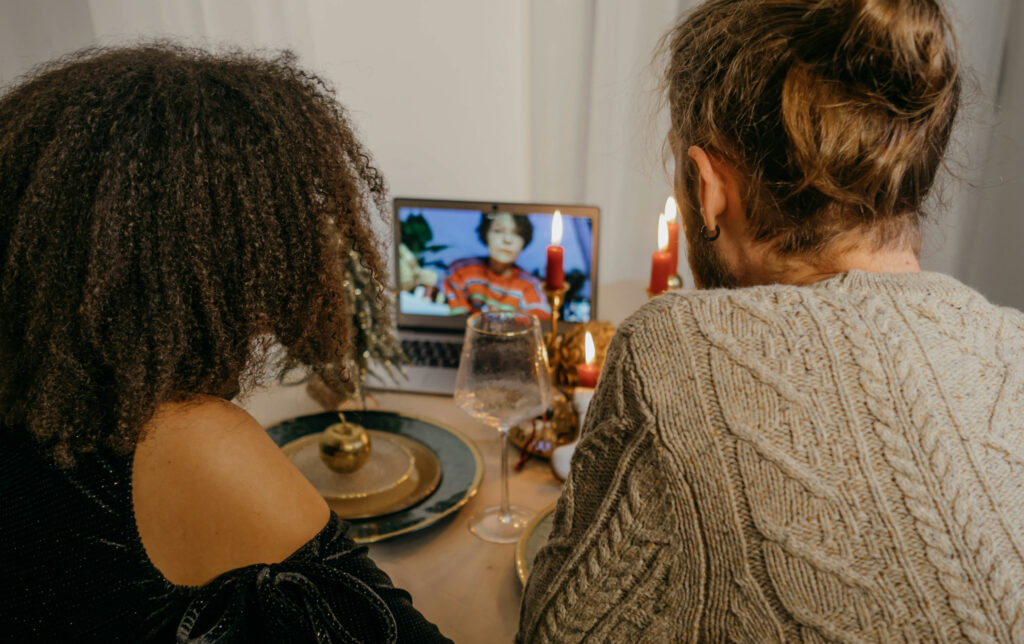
[{"x": 166, "y": 216}]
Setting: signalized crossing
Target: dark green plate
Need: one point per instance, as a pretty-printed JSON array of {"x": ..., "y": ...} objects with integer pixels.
[{"x": 461, "y": 467}]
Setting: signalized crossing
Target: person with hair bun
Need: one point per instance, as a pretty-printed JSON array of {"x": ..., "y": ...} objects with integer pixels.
[
  {"x": 167, "y": 218},
  {"x": 823, "y": 442}
]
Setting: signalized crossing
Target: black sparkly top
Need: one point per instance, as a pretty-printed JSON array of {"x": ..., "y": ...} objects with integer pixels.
[{"x": 73, "y": 569}]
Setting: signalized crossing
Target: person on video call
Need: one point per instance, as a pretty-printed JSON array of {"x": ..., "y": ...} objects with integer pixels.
[{"x": 495, "y": 282}]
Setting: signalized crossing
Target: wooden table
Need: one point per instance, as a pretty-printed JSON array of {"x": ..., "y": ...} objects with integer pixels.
[{"x": 468, "y": 587}]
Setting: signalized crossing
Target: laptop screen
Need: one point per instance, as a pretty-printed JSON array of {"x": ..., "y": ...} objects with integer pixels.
[{"x": 455, "y": 258}]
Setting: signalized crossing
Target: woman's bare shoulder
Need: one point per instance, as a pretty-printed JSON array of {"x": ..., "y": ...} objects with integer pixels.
[{"x": 212, "y": 492}]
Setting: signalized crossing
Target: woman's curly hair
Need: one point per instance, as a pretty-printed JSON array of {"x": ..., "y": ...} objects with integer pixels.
[{"x": 166, "y": 216}]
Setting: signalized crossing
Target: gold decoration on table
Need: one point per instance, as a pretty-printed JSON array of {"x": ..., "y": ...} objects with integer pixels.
[
  {"x": 401, "y": 473},
  {"x": 563, "y": 418},
  {"x": 345, "y": 446},
  {"x": 565, "y": 353},
  {"x": 570, "y": 352},
  {"x": 543, "y": 435}
]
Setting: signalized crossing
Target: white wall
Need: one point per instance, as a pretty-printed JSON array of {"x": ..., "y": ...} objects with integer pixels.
[{"x": 437, "y": 89}]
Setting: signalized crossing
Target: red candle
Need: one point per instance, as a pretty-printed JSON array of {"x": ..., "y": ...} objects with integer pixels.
[
  {"x": 671, "y": 217},
  {"x": 588, "y": 375},
  {"x": 589, "y": 370},
  {"x": 660, "y": 261},
  {"x": 554, "y": 276}
]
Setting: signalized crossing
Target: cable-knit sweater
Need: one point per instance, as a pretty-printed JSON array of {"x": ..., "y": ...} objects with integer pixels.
[{"x": 836, "y": 462}]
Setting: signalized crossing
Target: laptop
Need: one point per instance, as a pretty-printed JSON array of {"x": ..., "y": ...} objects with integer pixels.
[{"x": 453, "y": 258}]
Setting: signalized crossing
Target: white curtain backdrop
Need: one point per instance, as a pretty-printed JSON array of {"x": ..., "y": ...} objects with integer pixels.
[
  {"x": 432, "y": 86},
  {"x": 991, "y": 258},
  {"x": 553, "y": 100}
]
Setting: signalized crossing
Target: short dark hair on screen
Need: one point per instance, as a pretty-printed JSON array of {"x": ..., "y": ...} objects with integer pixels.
[{"x": 523, "y": 226}]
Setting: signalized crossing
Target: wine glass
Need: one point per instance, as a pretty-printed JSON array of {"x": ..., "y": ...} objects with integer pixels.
[{"x": 503, "y": 380}]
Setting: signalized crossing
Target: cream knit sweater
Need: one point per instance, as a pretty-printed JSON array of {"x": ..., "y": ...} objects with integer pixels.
[{"x": 839, "y": 462}]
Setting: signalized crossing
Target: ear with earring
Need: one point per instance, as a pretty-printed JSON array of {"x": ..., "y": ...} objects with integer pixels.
[
  {"x": 704, "y": 229},
  {"x": 710, "y": 183}
]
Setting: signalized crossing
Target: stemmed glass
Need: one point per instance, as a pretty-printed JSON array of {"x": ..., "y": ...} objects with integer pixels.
[{"x": 503, "y": 380}]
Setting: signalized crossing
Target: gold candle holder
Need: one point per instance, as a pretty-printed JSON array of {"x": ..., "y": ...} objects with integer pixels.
[
  {"x": 674, "y": 282},
  {"x": 556, "y": 297}
]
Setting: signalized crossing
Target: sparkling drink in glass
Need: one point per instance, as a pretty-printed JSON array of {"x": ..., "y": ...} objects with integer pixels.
[{"x": 503, "y": 380}]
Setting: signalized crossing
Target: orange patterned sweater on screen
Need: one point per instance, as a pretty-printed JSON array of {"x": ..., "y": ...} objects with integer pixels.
[{"x": 472, "y": 286}]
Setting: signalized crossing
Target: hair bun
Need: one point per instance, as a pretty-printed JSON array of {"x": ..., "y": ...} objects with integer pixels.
[
  {"x": 900, "y": 49},
  {"x": 838, "y": 112}
]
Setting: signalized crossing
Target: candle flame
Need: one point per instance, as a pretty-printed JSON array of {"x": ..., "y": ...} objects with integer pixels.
[
  {"x": 671, "y": 210},
  {"x": 556, "y": 229},
  {"x": 662, "y": 232},
  {"x": 590, "y": 352}
]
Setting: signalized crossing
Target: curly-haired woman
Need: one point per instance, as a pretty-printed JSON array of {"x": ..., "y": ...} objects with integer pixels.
[
  {"x": 165, "y": 215},
  {"x": 828, "y": 448}
]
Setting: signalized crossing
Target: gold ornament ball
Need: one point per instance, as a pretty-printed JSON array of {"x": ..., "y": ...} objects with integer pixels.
[{"x": 345, "y": 447}]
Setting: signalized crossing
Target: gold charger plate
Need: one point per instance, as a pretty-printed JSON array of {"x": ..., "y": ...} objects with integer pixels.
[
  {"x": 533, "y": 539},
  {"x": 461, "y": 464},
  {"x": 389, "y": 465},
  {"x": 404, "y": 473}
]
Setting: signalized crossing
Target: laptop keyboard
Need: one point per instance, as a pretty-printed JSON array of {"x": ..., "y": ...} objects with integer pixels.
[{"x": 426, "y": 353}]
